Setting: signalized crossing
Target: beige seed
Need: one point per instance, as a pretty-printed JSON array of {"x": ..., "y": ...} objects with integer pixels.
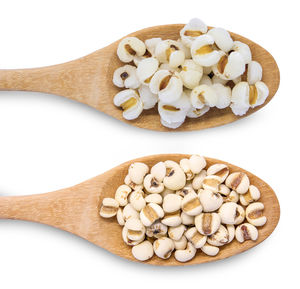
[
  {"x": 191, "y": 204},
  {"x": 252, "y": 195},
  {"x": 109, "y": 208},
  {"x": 210, "y": 250},
  {"x": 171, "y": 203},
  {"x": 220, "y": 238},
  {"x": 238, "y": 181},
  {"x": 195, "y": 237},
  {"x": 181, "y": 243},
  {"x": 220, "y": 170},
  {"x": 198, "y": 180},
  {"x": 157, "y": 230},
  {"x": 254, "y": 214},
  {"x": 151, "y": 213},
  {"x": 172, "y": 219},
  {"x": 246, "y": 232},
  {"x": 212, "y": 183},
  {"x": 121, "y": 195},
  {"x": 163, "y": 247},
  {"x": 207, "y": 223},
  {"x": 143, "y": 251},
  {"x": 187, "y": 254}
]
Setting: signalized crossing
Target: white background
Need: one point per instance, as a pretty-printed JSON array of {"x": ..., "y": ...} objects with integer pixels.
[{"x": 48, "y": 142}]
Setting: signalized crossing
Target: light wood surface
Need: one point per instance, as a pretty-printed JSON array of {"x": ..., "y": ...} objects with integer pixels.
[
  {"x": 76, "y": 210},
  {"x": 89, "y": 80}
]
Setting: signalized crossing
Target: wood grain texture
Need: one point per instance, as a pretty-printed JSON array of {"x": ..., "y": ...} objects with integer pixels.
[
  {"x": 89, "y": 80},
  {"x": 76, "y": 210}
]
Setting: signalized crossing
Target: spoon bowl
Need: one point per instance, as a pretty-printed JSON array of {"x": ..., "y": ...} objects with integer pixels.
[
  {"x": 76, "y": 210},
  {"x": 89, "y": 80}
]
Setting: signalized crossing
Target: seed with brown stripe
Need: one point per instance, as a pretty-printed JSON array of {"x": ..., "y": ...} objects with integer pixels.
[
  {"x": 207, "y": 223},
  {"x": 136, "y": 230},
  {"x": 151, "y": 213},
  {"x": 252, "y": 195},
  {"x": 127, "y": 240},
  {"x": 195, "y": 237},
  {"x": 121, "y": 195},
  {"x": 233, "y": 196},
  {"x": 220, "y": 170},
  {"x": 109, "y": 208},
  {"x": 222, "y": 63},
  {"x": 129, "y": 48},
  {"x": 211, "y": 182},
  {"x": 191, "y": 204},
  {"x": 245, "y": 232},
  {"x": 252, "y": 94},
  {"x": 238, "y": 181},
  {"x": 219, "y": 238},
  {"x": 224, "y": 190},
  {"x": 254, "y": 214}
]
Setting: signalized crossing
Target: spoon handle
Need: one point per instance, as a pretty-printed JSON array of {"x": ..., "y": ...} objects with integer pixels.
[
  {"x": 62, "y": 79},
  {"x": 51, "y": 79},
  {"x": 59, "y": 209},
  {"x": 35, "y": 208},
  {"x": 80, "y": 79}
]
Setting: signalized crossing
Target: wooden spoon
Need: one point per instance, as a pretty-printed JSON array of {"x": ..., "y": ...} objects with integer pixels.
[
  {"x": 76, "y": 210},
  {"x": 89, "y": 80}
]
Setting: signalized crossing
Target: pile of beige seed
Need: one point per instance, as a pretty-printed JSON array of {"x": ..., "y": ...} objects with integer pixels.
[
  {"x": 204, "y": 68},
  {"x": 184, "y": 207}
]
